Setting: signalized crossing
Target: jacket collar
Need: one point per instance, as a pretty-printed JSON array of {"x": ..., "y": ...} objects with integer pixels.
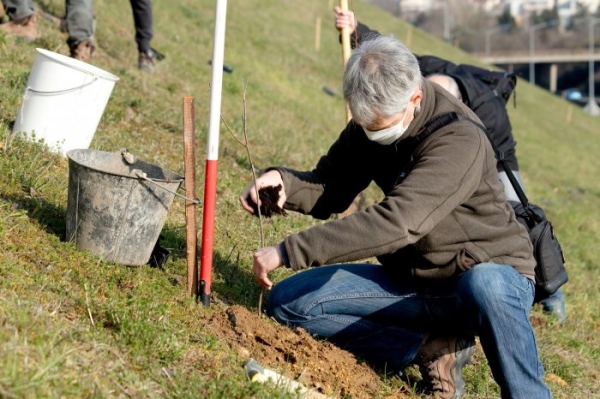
[{"x": 426, "y": 112}]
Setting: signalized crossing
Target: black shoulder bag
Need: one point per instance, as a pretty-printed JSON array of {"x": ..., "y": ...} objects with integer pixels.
[{"x": 550, "y": 272}]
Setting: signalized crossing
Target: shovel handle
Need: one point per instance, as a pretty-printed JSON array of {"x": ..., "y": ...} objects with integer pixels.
[{"x": 346, "y": 50}]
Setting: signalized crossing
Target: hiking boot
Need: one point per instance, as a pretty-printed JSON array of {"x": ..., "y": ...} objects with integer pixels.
[
  {"x": 22, "y": 27},
  {"x": 83, "y": 51},
  {"x": 147, "y": 60},
  {"x": 441, "y": 360}
]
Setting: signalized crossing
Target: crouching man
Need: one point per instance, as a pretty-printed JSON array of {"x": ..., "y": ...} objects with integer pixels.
[{"x": 455, "y": 263}]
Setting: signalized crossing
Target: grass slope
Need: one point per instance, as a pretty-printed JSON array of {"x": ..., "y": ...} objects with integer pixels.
[{"x": 76, "y": 327}]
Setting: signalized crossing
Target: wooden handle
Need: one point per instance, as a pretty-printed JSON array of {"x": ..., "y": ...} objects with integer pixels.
[
  {"x": 346, "y": 50},
  {"x": 189, "y": 148},
  {"x": 345, "y": 32}
]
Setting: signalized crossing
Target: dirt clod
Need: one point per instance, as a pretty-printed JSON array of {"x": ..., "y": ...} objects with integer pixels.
[{"x": 268, "y": 197}]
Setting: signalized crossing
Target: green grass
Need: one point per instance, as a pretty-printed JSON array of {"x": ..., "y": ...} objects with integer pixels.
[{"x": 77, "y": 327}]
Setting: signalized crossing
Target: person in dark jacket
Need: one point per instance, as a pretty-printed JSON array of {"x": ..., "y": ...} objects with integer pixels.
[
  {"x": 492, "y": 113},
  {"x": 454, "y": 261}
]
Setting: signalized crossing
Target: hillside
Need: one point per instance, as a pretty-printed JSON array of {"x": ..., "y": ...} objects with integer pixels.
[{"x": 74, "y": 326}]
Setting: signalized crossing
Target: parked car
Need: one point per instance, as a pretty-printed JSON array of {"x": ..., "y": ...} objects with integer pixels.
[{"x": 573, "y": 94}]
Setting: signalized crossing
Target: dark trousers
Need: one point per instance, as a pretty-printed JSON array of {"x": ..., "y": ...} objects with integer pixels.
[
  {"x": 18, "y": 9},
  {"x": 142, "y": 18}
]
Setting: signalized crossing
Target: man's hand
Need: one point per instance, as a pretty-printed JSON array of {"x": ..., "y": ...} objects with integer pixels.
[
  {"x": 269, "y": 179},
  {"x": 265, "y": 260},
  {"x": 344, "y": 19}
]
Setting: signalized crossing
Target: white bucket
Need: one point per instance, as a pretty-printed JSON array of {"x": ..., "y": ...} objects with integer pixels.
[{"x": 63, "y": 102}]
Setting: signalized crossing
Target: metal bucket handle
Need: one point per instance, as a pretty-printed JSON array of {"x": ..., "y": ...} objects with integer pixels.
[
  {"x": 143, "y": 176},
  {"x": 131, "y": 159}
]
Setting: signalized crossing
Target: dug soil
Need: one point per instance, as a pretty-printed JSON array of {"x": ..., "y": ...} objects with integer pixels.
[{"x": 317, "y": 364}]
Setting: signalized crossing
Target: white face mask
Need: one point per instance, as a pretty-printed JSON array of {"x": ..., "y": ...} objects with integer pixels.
[{"x": 388, "y": 135}]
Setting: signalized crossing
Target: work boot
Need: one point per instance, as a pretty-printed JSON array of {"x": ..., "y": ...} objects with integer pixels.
[
  {"x": 441, "y": 360},
  {"x": 22, "y": 27},
  {"x": 147, "y": 59},
  {"x": 83, "y": 51}
]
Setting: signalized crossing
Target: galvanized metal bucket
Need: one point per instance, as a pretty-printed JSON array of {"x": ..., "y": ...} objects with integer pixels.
[{"x": 117, "y": 204}]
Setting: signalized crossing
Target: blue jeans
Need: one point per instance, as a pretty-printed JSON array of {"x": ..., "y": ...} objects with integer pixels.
[{"x": 368, "y": 311}]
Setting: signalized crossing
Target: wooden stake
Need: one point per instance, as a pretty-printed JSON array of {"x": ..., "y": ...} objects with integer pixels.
[
  {"x": 191, "y": 233},
  {"x": 346, "y": 50},
  {"x": 318, "y": 35}
]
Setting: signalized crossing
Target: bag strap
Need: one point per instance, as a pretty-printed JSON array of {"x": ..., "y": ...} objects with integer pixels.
[{"x": 432, "y": 125}]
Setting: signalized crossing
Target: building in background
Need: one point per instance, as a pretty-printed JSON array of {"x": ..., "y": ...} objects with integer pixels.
[
  {"x": 411, "y": 8},
  {"x": 522, "y": 10},
  {"x": 519, "y": 9}
]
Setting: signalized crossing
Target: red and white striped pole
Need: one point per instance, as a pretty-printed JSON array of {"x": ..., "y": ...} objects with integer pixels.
[{"x": 212, "y": 153}]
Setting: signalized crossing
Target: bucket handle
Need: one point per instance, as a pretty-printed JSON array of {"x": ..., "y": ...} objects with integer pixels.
[
  {"x": 63, "y": 91},
  {"x": 143, "y": 176}
]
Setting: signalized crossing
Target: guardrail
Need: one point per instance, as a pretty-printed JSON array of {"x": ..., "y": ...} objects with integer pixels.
[{"x": 546, "y": 56}]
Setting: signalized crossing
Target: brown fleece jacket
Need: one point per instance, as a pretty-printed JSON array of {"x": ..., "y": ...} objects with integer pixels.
[{"x": 448, "y": 214}]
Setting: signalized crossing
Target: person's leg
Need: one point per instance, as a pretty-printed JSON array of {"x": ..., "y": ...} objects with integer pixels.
[
  {"x": 554, "y": 304},
  {"x": 80, "y": 26},
  {"x": 367, "y": 311},
  {"x": 18, "y": 9},
  {"x": 357, "y": 307},
  {"x": 502, "y": 298},
  {"x": 142, "y": 18},
  {"x": 22, "y": 19}
]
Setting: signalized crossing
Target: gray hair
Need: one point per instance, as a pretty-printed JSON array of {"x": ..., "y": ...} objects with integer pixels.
[
  {"x": 379, "y": 79},
  {"x": 447, "y": 82}
]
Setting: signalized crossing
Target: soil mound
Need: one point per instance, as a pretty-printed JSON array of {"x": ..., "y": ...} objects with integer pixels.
[{"x": 296, "y": 354}]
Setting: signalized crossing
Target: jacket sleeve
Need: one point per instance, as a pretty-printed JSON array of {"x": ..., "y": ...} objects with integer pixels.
[
  {"x": 447, "y": 171},
  {"x": 338, "y": 178},
  {"x": 362, "y": 32}
]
